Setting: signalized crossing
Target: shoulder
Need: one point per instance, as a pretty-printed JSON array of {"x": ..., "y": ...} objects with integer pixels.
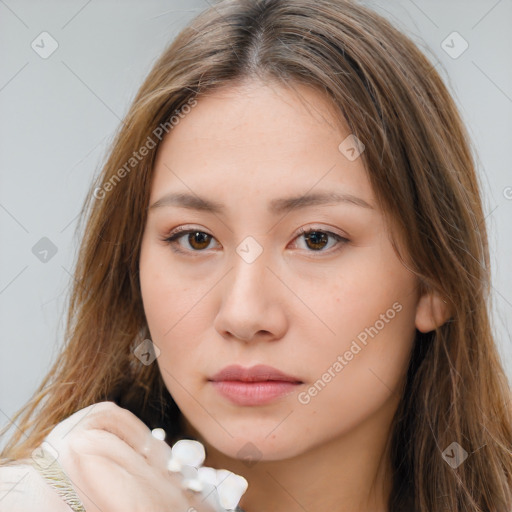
[{"x": 23, "y": 489}]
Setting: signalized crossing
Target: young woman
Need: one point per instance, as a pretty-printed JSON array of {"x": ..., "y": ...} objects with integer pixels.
[{"x": 285, "y": 258}]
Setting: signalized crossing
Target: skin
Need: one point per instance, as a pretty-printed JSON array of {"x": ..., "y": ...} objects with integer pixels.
[{"x": 297, "y": 307}]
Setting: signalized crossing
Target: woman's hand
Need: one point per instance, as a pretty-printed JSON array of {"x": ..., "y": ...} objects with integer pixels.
[{"x": 116, "y": 465}]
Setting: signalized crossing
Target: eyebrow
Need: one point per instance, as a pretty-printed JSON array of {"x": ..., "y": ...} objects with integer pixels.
[{"x": 276, "y": 206}]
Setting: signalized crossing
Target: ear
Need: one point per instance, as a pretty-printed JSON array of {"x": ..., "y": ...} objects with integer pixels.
[{"x": 431, "y": 311}]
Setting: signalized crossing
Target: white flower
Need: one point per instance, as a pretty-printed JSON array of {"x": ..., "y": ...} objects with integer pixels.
[{"x": 220, "y": 487}]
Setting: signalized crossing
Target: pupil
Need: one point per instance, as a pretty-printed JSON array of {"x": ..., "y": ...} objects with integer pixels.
[
  {"x": 203, "y": 237},
  {"x": 314, "y": 238}
]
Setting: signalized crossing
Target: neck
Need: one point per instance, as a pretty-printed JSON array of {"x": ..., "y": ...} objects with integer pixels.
[{"x": 347, "y": 473}]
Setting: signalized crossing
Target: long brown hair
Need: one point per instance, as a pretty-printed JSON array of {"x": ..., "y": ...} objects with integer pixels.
[{"x": 419, "y": 160}]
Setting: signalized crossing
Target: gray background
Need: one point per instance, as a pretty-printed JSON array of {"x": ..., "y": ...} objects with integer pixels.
[{"x": 58, "y": 115}]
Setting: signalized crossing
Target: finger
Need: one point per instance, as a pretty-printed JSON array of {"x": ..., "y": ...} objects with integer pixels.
[
  {"x": 126, "y": 426},
  {"x": 62, "y": 429},
  {"x": 99, "y": 442},
  {"x": 119, "y": 421}
]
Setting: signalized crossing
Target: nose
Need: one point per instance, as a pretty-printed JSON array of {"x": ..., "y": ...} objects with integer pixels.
[{"x": 252, "y": 302}]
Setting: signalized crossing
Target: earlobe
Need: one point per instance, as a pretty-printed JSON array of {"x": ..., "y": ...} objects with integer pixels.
[{"x": 431, "y": 312}]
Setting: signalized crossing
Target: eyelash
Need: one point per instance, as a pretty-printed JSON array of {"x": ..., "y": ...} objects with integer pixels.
[{"x": 180, "y": 232}]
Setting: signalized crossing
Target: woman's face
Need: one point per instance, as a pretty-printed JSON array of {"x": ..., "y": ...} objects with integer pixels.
[{"x": 335, "y": 310}]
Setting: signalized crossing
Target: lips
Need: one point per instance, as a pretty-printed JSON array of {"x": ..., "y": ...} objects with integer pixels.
[
  {"x": 256, "y": 386},
  {"x": 258, "y": 373}
]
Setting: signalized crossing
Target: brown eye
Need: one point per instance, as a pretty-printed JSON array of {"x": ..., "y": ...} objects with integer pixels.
[
  {"x": 197, "y": 240},
  {"x": 317, "y": 239}
]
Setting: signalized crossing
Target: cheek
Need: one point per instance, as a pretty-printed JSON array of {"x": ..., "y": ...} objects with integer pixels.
[
  {"x": 171, "y": 301},
  {"x": 371, "y": 313},
  {"x": 356, "y": 375},
  {"x": 176, "y": 312},
  {"x": 370, "y": 288}
]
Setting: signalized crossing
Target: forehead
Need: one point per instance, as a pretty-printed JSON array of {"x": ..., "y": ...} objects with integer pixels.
[
  {"x": 259, "y": 138},
  {"x": 257, "y": 108}
]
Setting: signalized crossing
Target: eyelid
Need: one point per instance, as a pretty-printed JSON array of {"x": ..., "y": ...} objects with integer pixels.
[
  {"x": 328, "y": 230},
  {"x": 300, "y": 231}
]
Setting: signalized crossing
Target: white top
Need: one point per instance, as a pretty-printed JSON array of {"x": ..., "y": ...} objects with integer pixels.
[{"x": 23, "y": 489}]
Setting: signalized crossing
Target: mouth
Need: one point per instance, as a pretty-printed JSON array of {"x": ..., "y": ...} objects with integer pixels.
[{"x": 258, "y": 385}]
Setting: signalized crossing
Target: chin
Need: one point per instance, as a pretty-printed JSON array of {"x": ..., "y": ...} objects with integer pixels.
[{"x": 256, "y": 446}]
